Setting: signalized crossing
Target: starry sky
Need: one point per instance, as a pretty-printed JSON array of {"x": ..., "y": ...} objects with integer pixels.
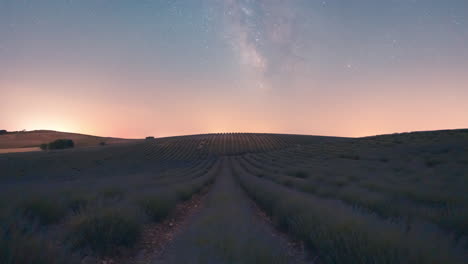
[{"x": 172, "y": 67}]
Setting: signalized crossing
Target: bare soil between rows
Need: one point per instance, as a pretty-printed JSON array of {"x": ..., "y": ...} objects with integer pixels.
[{"x": 157, "y": 236}]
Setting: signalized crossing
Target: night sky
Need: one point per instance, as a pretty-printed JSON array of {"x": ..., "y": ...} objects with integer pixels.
[{"x": 152, "y": 67}]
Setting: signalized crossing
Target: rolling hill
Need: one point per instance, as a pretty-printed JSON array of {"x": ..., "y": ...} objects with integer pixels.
[{"x": 35, "y": 138}]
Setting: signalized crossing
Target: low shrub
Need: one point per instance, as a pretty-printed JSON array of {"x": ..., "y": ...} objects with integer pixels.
[
  {"x": 298, "y": 174},
  {"x": 77, "y": 203},
  {"x": 287, "y": 183},
  {"x": 184, "y": 194},
  {"x": 105, "y": 233},
  {"x": 431, "y": 162},
  {"x": 20, "y": 247},
  {"x": 44, "y": 210},
  {"x": 112, "y": 193},
  {"x": 310, "y": 187},
  {"x": 61, "y": 144},
  {"x": 157, "y": 207},
  {"x": 350, "y": 156}
]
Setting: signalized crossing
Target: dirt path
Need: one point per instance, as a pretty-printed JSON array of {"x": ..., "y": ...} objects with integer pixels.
[
  {"x": 230, "y": 230},
  {"x": 157, "y": 236}
]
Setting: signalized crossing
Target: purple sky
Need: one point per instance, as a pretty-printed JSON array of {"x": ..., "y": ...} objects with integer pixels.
[{"x": 153, "y": 67}]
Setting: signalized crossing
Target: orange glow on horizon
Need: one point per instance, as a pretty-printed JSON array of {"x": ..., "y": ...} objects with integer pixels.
[{"x": 31, "y": 106}]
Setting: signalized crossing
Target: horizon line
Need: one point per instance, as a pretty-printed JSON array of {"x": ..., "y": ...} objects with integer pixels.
[{"x": 210, "y": 133}]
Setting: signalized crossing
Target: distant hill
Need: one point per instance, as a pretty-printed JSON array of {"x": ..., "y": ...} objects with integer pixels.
[{"x": 37, "y": 137}]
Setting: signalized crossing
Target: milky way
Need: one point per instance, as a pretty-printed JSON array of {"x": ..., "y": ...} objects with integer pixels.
[{"x": 333, "y": 67}]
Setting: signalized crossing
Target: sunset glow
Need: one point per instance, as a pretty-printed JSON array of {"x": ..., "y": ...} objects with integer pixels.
[{"x": 162, "y": 68}]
